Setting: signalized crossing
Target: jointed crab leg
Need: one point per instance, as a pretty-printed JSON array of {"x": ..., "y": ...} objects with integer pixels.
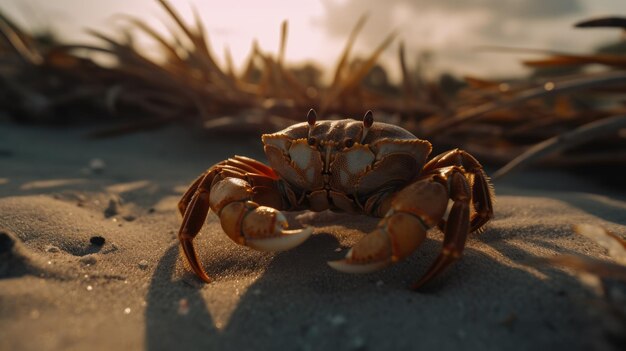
[
  {"x": 195, "y": 211},
  {"x": 236, "y": 189},
  {"x": 188, "y": 195},
  {"x": 241, "y": 162},
  {"x": 414, "y": 210},
  {"x": 456, "y": 229},
  {"x": 482, "y": 191}
]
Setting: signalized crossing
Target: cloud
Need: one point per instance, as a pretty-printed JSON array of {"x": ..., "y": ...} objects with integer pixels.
[
  {"x": 339, "y": 13},
  {"x": 453, "y": 28}
]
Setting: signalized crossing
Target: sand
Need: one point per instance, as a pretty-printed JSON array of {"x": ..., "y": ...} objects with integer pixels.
[{"x": 60, "y": 291}]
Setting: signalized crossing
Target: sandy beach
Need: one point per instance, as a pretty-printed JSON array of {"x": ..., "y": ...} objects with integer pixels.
[{"x": 89, "y": 260}]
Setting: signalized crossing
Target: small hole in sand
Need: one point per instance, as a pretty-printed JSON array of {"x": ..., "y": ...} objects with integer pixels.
[{"x": 97, "y": 240}]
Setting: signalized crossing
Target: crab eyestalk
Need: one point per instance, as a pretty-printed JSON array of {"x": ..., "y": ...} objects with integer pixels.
[
  {"x": 311, "y": 118},
  {"x": 368, "y": 120}
]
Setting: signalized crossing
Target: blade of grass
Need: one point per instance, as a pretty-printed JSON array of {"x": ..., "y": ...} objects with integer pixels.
[
  {"x": 548, "y": 89},
  {"x": 346, "y": 51},
  {"x": 355, "y": 77},
  {"x": 284, "y": 27},
  {"x": 169, "y": 48},
  {"x": 563, "y": 142},
  {"x": 407, "y": 83},
  {"x": 577, "y": 60},
  {"x": 15, "y": 40},
  {"x": 618, "y": 22}
]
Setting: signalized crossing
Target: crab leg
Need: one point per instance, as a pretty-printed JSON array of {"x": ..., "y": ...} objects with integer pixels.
[
  {"x": 414, "y": 210},
  {"x": 188, "y": 195},
  {"x": 456, "y": 229},
  {"x": 241, "y": 162},
  {"x": 195, "y": 208},
  {"x": 236, "y": 190},
  {"x": 482, "y": 190}
]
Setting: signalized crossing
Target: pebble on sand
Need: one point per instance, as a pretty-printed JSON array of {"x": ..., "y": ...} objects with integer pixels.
[
  {"x": 143, "y": 264},
  {"x": 51, "y": 249},
  {"x": 88, "y": 260}
]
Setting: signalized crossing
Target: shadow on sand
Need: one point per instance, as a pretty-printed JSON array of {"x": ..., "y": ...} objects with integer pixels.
[{"x": 299, "y": 303}]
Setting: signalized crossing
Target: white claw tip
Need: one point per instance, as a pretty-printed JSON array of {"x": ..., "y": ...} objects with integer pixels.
[
  {"x": 358, "y": 268},
  {"x": 287, "y": 240}
]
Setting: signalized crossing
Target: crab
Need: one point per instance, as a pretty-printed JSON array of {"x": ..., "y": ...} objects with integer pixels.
[{"x": 360, "y": 167}]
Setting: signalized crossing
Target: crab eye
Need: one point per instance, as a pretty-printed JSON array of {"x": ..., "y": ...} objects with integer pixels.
[
  {"x": 349, "y": 142},
  {"x": 312, "y": 141}
]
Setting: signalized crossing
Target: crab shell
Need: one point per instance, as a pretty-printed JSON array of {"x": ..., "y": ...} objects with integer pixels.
[{"x": 341, "y": 164}]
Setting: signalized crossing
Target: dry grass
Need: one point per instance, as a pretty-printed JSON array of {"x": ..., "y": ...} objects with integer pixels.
[{"x": 554, "y": 121}]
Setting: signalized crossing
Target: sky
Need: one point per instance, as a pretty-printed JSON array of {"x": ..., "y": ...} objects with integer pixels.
[{"x": 451, "y": 30}]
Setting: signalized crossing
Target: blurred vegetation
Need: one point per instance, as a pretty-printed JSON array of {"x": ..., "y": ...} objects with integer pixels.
[
  {"x": 605, "y": 278},
  {"x": 562, "y": 115}
]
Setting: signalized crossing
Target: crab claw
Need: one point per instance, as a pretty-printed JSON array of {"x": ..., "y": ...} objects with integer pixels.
[
  {"x": 396, "y": 237},
  {"x": 285, "y": 240},
  {"x": 349, "y": 266},
  {"x": 370, "y": 254},
  {"x": 264, "y": 229}
]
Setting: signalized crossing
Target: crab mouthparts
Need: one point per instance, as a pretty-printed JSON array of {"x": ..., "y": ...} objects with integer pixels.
[
  {"x": 327, "y": 157},
  {"x": 328, "y": 153}
]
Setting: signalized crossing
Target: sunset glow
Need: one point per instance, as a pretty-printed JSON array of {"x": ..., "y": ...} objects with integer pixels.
[{"x": 318, "y": 29}]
